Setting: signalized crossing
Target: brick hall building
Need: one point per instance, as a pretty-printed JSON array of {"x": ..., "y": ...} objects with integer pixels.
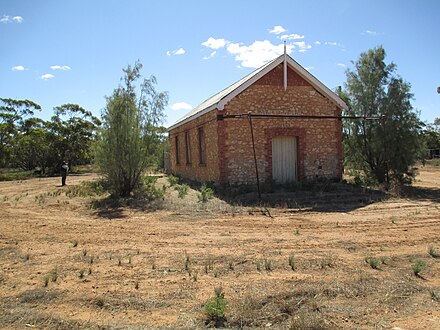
[{"x": 279, "y": 118}]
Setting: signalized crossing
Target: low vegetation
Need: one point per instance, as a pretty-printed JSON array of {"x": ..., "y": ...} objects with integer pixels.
[{"x": 306, "y": 266}]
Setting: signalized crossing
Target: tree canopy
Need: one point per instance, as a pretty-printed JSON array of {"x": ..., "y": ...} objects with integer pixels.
[
  {"x": 384, "y": 149},
  {"x": 29, "y": 142},
  {"x": 129, "y": 140}
]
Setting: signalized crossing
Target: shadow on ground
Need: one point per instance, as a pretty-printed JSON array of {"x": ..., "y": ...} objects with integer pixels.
[
  {"x": 112, "y": 208},
  {"x": 421, "y": 193},
  {"x": 333, "y": 197}
]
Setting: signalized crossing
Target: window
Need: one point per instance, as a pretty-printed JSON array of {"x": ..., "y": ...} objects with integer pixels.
[
  {"x": 202, "y": 154},
  {"x": 177, "y": 150},
  {"x": 187, "y": 148}
]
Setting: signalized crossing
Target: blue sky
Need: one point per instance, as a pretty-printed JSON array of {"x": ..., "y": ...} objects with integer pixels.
[{"x": 56, "y": 52}]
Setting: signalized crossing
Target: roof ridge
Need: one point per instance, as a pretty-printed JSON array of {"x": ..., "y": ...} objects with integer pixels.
[{"x": 219, "y": 99}]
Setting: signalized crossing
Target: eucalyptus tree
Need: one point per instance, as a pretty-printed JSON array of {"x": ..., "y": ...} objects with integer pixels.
[{"x": 12, "y": 113}]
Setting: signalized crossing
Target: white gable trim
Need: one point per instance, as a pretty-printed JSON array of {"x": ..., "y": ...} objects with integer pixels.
[{"x": 221, "y": 103}]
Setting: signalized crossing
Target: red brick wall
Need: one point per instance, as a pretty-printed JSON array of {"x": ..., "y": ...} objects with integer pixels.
[
  {"x": 228, "y": 142},
  {"x": 319, "y": 140},
  {"x": 196, "y": 171}
]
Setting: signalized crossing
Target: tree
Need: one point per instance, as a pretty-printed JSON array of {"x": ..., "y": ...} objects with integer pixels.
[
  {"x": 45, "y": 144},
  {"x": 12, "y": 112},
  {"x": 128, "y": 140},
  {"x": 383, "y": 149},
  {"x": 31, "y": 145},
  {"x": 431, "y": 135},
  {"x": 72, "y": 130}
]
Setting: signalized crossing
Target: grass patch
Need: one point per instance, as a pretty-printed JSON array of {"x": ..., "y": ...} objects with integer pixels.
[
  {"x": 373, "y": 262},
  {"x": 215, "y": 308},
  {"x": 206, "y": 193},
  {"x": 9, "y": 174},
  {"x": 433, "y": 251},
  {"x": 418, "y": 267},
  {"x": 292, "y": 262},
  {"x": 435, "y": 296},
  {"x": 173, "y": 180},
  {"x": 182, "y": 190}
]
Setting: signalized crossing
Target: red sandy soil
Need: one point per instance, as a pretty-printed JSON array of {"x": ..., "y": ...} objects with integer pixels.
[{"x": 143, "y": 268}]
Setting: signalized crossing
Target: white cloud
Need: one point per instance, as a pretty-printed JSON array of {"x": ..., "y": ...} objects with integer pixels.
[
  {"x": 8, "y": 19},
  {"x": 210, "y": 55},
  {"x": 17, "y": 19},
  {"x": 60, "y": 67},
  {"x": 215, "y": 43},
  {"x": 309, "y": 68},
  {"x": 181, "y": 106},
  {"x": 301, "y": 45},
  {"x": 258, "y": 53},
  {"x": 342, "y": 65},
  {"x": 317, "y": 42},
  {"x": 335, "y": 44},
  {"x": 371, "y": 33},
  {"x": 18, "y": 68},
  {"x": 179, "y": 51},
  {"x": 47, "y": 76},
  {"x": 291, "y": 36},
  {"x": 277, "y": 29}
]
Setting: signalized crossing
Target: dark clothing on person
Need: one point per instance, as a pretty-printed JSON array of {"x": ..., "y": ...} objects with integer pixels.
[{"x": 64, "y": 170}]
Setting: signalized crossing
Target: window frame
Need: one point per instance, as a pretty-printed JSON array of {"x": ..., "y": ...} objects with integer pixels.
[
  {"x": 188, "y": 148},
  {"x": 202, "y": 146},
  {"x": 177, "y": 150}
]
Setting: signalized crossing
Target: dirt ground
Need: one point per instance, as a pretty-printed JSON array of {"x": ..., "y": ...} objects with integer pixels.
[{"x": 337, "y": 259}]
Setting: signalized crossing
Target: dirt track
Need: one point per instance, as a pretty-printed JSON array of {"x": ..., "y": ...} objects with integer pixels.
[{"x": 145, "y": 269}]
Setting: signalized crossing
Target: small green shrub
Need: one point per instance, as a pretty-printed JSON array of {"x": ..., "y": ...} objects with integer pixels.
[
  {"x": 46, "y": 280},
  {"x": 172, "y": 180},
  {"x": 150, "y": 186},
  {"x": 258, "y": 265},
  {"x": 373, "y": 262},
  {"x": 385, "y": 260},
  {"x": 433, "y": 252},
  {"x": 268, "y": 265},
  {"x": 54, "y": 275},
  {"x": 418, "y": 267},
  {"x": 74, "y": 243},
  {"x": 292, "y": 262},
  {"x": 81, "y": 273},
  {"x": 205, "y": 194},
  {"x": 216, "y": 306},
  {"x": 182, "y": 190},
  {"x": 187, "y": 263}
]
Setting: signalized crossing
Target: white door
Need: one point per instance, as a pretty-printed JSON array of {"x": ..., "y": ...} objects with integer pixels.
[{"x": 284, "y": 159}]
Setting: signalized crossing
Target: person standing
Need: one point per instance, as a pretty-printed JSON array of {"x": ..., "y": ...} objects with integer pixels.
[{"x": 64, "y": 170}]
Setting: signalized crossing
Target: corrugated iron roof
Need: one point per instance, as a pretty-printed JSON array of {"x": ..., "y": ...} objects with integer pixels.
[{"x": 219, "y": 100}]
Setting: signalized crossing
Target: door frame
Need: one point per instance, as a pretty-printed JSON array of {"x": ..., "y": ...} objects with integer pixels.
[
  {"x": 292, "y": 166},
  {"x": 300, "y": 134}
]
